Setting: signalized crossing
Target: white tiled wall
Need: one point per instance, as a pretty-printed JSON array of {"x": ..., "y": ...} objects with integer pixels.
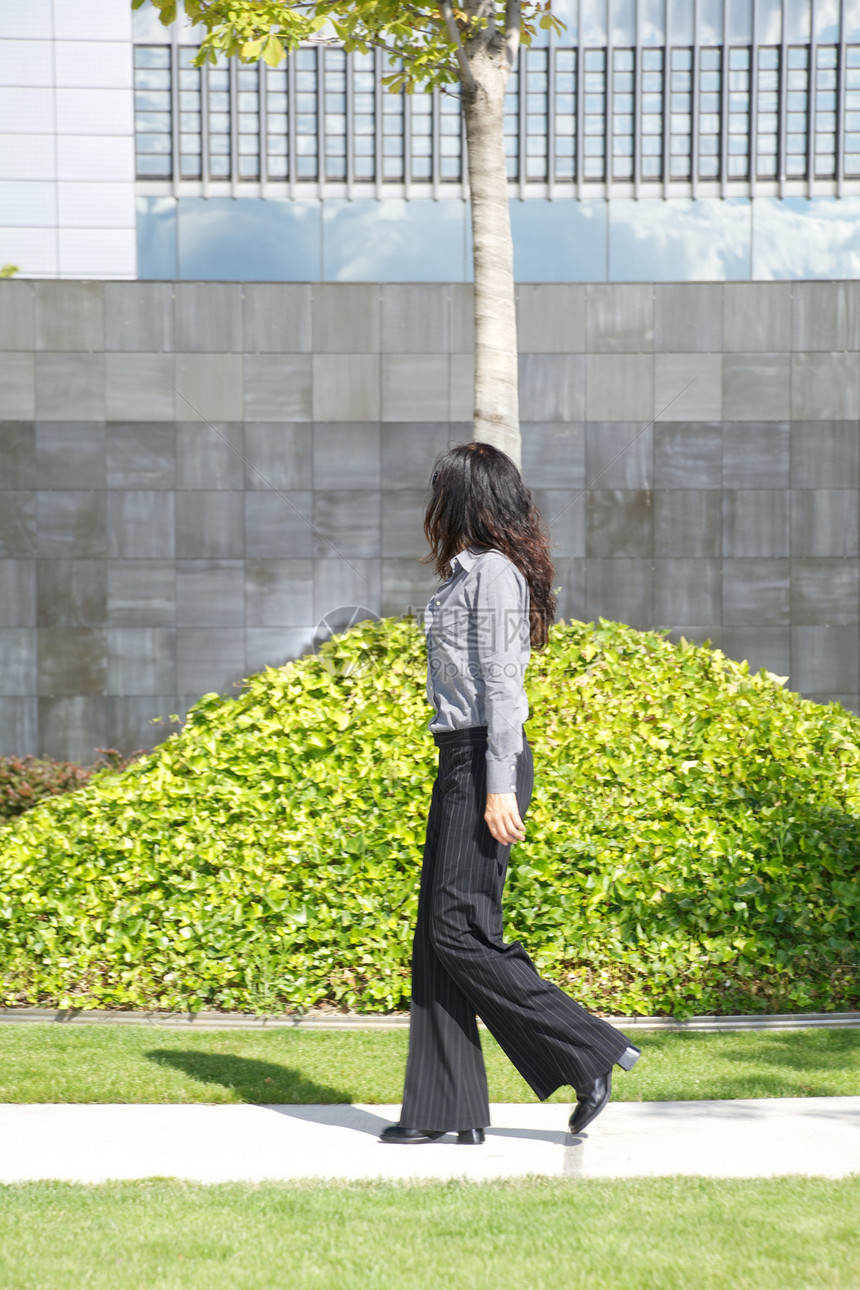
[{"x": 67, "y": 138}]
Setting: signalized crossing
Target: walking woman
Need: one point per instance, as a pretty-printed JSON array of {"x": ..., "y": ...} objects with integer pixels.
[{"x": 489, "y": 545}]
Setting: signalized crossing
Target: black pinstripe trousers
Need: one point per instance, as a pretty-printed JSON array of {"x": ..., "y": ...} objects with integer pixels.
[{"x": 463, "y": 969}]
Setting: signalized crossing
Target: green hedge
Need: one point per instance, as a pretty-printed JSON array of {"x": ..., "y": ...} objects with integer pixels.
[{"x": 693, "y": 843}]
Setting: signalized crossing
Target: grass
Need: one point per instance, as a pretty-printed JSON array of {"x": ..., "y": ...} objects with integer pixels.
[
  {"x": 105, "y": 1063},
  {"x": 658, "y": 1234}
]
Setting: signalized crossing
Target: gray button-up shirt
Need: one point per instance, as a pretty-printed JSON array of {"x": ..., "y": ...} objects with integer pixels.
[{"x": 477, "y": 629}]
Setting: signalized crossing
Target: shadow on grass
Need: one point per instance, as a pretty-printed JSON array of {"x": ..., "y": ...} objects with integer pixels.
[{"x": 251, "y": 1080}]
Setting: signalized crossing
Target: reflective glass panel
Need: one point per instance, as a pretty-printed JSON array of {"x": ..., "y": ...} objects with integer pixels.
[
  {"x": 652, "y": 29},
  {"x": 681, "y": 240},
  {"x": 710, "y": 22},
  {"x": 768, "y": 21},
  {"x": 592, "y": 17},
  {"x": 623, "y": 22},
  {"x": 826, "y": 20},
  {"x": 740, "y": 20},
  {"x": 800, "y": 237},
  {"x": 249, "y": 239},
  {"x": 393, "y": 240},
  {"x": 559, "y": 241},
  {"x": 156, "y": 238},
  {"x": 796, "y": 17}
]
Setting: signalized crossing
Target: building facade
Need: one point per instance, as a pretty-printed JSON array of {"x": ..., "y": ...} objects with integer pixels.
[{"x": 201, "y": 462}]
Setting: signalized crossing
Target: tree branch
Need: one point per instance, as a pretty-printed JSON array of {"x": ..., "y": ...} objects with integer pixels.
[
  {"x": 469, "y": 83},
  {"x": 512, "y": 31}
]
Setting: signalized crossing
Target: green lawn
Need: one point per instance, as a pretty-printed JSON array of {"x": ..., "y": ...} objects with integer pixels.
[
  {"x": 106, "y": 1063},
  {"x": 659, "y": 1234}
]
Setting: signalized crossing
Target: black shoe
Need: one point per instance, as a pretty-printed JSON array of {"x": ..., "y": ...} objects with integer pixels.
[
  {"x": 591, "y": 1100},
  {"x": 397, "y": 1133},
  {"x": 470, "y": 1137}
]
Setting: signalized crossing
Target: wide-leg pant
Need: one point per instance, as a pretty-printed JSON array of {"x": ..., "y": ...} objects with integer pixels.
[{"x": 462, "y": 968}]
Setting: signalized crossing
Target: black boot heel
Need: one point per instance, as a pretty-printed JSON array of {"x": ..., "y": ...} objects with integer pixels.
[
  {"x": 470, "y": 1137},
  {"x": 629, "y": 1058}
]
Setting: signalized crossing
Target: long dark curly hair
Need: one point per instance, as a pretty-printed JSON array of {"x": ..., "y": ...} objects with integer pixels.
[{"x": 479, "y": 499}]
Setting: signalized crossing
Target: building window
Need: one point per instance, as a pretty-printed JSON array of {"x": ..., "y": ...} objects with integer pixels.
[
  {"x": 689, "y": 110},
  {"x": 537, "y": 118},
  {"x": 594, "y": 114},
  {"x": 277, "y": 119},
  {"x": 651, "y": 160},
  {"x": 218, "y": 119},
  {"x": 852, "y": 110},
  {"x": 307, "y": 122},
  {"x": 739, "y": 114},
  {"x": 363, "y": 117},
  {"x": 709, "y": 105},
  {"x": 767, "y": 114},
  {"x": 681, "y": 114},
  {"x": 512, "y": 125},
  {"x": 623, "y": 112},
  {"x": 248, "y": 121},
  {"x": 565, "y": 114},
  {"x": 825, "y": 111},
  {"x": 153, "y": 116},
  {"x": 334, "y": 102},
  {"x": 450, "y": 137}
]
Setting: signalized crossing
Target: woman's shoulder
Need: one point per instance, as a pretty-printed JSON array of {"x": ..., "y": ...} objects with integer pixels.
[{"x": 495, "y": 563}]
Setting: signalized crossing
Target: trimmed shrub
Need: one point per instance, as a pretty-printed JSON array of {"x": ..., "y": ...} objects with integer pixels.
[
  {"x": 693, "y": 841},
  {"x": 26, "y": 781}
]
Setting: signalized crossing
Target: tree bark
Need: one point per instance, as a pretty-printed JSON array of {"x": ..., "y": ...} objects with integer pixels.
[{"x": 496, "y": 415}]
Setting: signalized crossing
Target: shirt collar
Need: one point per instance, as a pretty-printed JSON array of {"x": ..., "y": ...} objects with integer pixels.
[{"x": 466, "y": 559}]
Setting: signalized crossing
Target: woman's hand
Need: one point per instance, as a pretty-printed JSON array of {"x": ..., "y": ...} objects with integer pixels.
[{"x": 503, "y": 818}]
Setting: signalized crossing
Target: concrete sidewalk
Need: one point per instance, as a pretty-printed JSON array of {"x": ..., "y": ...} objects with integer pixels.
[{"x": 733, "y": 1139}]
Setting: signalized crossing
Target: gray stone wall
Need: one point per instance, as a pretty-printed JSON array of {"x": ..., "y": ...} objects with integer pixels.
[{"x": 192, "y": 475}]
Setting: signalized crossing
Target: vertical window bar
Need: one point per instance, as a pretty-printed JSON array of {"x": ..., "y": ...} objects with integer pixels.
[
  {"x": 234, "y": 127},
  {"x": 349, "y": 141},
  {"x": 175, "y": 162},
  {"x": 319, "y": 54},
  {"x": 840, "y": 101},
  {"x": 766, "y": 112},
  {"x": 608, "y": 103},
  {"x": 511, "y": 122},
  {"x": 407, "y": 144},
  {"x": 204, "y": 127},
  {"x": 826, "y": 100},
  {"x": 521, "y": 133},
  {"x": 724, "y": 104},
  {"x": 551, "y": 116},
  {"x": 263, "y": 134},
  {"x": 812, "y": 94},
  {"x": 782, "y": 124},
  {"x": 379, "y": 93},
  {"x": 437, "y": 165},
  {"x": 666, "y": 98},
  {"x": 851, "y": 127},
  {"x": 580, "y": 114},
  {"x": 694, "y": 103},
  {"x": 637, "y": 111},
  {"x": 752, "y": 91}
]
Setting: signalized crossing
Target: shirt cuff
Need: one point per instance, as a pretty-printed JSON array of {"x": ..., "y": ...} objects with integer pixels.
[{"x": 501, "y": 775}]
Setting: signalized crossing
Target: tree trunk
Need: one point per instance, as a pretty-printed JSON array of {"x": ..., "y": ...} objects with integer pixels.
[{"x": 496, "y": 417}]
